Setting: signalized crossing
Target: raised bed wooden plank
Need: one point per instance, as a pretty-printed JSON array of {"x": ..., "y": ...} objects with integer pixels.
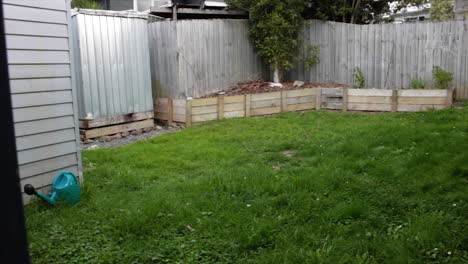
[
  {"x": 179, "y": 118},
  {"x": 422, "y": 100},
  {"x": 234, "y": 107},
  {"x": 110, "y": 130},
  {"x": 422, "y": 93},
  {"x": 417, "y": 108},
  {"x": 304, "y": 92},
  {"x": 234, "y": 114},
  {"x": 332, "y": 92},
  {"x": 266, "y": 103},
  {"x": 113, "y": 120},
  {"x": 301, "y": 100},
  {"x": 204, "y": 109},
  {"x": 370, "y": 107},
  {"x": 179, "y": 103},
  {"x": 204, "y": 117},
  {"x": 369, "y": 92},
  {"x": 266, "y": 96},
  {"x": 299, "y": 107},
  {"x": 234, "y": 99},
  {"x": 265, "y": 111},
  {"x": 370, "y": 99},
  {"x": 205, "y": 101}
]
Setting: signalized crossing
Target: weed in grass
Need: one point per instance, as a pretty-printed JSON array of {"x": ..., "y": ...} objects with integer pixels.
[{"x": 388, "y": 188}]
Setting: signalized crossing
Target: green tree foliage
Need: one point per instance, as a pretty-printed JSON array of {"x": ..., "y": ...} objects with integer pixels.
[
  {"x": 274, "y": 27},
  {"x": 87, "y": 4},
  {"x": 441, "y": 10}
]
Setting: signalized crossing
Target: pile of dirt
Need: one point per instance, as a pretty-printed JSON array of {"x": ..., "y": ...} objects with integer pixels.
[{"x": 262, "y": 86}]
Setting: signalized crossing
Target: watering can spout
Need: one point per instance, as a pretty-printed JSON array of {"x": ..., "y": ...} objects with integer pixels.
[{"x": 64, "y": 188}]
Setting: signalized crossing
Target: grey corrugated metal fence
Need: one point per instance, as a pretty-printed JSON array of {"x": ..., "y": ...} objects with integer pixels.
[
  {"x": 198, "y": 57},
  {"x": 112, "y": 63},
  {"x": 389, "y": 55}
]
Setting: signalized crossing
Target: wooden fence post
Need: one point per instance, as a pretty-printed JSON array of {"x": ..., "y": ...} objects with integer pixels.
[
  {"x": 449, "y": 101},
  {"x": 394, "y": 100},
  {"x": 248, "y": 99},
  {"x": 220, "y": 107},
  {"x": 318, "y": 103},
  {"x": 284, "y": 102},
  {"x": 188, "y": 112},
  {"x": 170, "y": 111},
  {"x": 345, "y": 99}
]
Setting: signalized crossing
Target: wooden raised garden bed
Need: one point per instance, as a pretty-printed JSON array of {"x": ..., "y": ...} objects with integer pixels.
[{"x": 194, "y": 111}]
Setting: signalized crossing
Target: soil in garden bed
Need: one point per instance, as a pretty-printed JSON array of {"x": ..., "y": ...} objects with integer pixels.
[{"x": 262, "y": 86}]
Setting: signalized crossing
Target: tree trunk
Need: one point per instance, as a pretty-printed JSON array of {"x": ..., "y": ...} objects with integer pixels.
[{"x": 276, "y": 75}]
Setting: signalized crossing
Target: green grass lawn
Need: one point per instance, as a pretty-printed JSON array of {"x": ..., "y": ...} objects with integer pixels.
[{"x": 318, "y": 187}]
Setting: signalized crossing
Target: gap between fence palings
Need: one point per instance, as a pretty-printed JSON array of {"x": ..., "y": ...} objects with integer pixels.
[{"x": 216, "y": 108}]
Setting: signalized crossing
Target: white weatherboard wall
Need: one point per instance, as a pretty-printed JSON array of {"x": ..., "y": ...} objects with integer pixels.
[{"x": 42, "y": 87}]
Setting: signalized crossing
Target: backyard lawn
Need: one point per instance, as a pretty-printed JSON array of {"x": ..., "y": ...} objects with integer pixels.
[{"x": 315, "y": 187}]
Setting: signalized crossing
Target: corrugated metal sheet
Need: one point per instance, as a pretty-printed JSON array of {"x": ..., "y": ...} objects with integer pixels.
[
  {"x": 113, "y": 66},
  {"x": 198, "y": 57}
]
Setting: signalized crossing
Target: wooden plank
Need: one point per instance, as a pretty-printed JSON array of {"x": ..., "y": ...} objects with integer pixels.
[
  {"x": 204, "y": 117},
  {"x": 329, "y": 92},
  {"x": 345, "y": 99},
  {"x": 179, "y": 118},
  {"x": 265, "y": 111},
  {"x": 49, "y": 138},
  {"x": 43, "y": 125},
  {"x": 39, "y": 71},
  {"x": 418, "y": 108},
  {"x": 42, "y": 112},
  {"x": 188, "y": 113},
  {"x": 303, "y": 92},
  {"x": 369, "y": 92},
  {"x": 42, "y": 98},
  {"x": 299, "y": 107},
  {"x": 233, "y": 114},
  {"x": 422, "y": 100},
  {"x": 266, "y": 96},
  {"x": 46, "y": 152},
  {"x": 113, "y": 120},
  {"x": 37, "y": 57},
  {"x": 44, "y": 166},
  {"x": 394, "y": 104},
  {"x": 422, "y": 93},
  {"x": 170, "y": 111},
  {"x": 161, "y": 116},
  {"x": 370, "y": 99},
  {"x": 369, "y": 107},
  {"x": 283, "y": 101},
  {"x": 266, "y": 103},
  {"x": 301, "y": 100},
  {"x": 205, "y": 101},
  {"x": 318, "y": 103},
  {"x": 220, "y": 107},
  {"x": 204, "y": 109},
  {"x": 39, "y": 85},
  {"x": 234, "y": 99},
  {"x": 35, "y": 29},
  {"x": 178, "y": 103},
  {"x": 248, "y": 100},
  {"x": 449, "y": 99},
  {"x": 110, "y": 130},
  {"x": 234, "y": 107}
]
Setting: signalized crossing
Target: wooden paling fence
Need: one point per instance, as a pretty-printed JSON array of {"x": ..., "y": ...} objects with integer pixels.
[{"x": 194, "y": 111}]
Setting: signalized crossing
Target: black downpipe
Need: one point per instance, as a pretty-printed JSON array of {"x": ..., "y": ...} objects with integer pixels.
[{"x": 14, "y": 247}]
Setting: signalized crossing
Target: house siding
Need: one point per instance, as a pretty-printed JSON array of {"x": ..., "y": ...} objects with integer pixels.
[{"x": 42, "y": 87}]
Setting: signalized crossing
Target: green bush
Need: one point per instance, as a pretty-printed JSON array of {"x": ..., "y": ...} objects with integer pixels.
[
  {"x": 417, "y": 83},
  {"x": 443, "y": 79},
  {"x": 87, "y": 4},
  {"x": 359, "y": 78}
]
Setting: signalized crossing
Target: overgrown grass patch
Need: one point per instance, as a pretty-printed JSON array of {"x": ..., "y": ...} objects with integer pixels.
[{"x": 316, "y": 187}]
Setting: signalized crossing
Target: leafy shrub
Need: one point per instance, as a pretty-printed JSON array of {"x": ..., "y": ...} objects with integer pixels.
[
  {"x": 359, "y": 78},
  {"x": 87, "y": 4},
  {"x": 443, "y": 79},
  {"x": 417, "y": 83}
]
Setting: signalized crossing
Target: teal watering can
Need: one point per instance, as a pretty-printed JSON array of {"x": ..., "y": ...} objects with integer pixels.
[{"x": 65, "y": 187}]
